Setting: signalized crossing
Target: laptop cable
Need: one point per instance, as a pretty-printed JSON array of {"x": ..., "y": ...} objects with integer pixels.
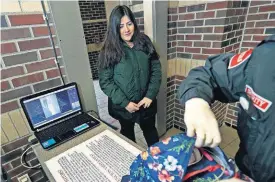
[{"x": 32, "y": 141}]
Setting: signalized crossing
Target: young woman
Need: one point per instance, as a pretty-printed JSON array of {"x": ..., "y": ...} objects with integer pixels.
[{"x": 130, "y": 75}]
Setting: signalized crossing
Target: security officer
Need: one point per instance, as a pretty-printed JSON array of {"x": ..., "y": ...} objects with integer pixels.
[{"x": 249, "y": 78}]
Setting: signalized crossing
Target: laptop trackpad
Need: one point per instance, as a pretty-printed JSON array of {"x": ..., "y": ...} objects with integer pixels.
[
  {"x": 66, "y": 135},
  {"x": 71, "y": 133}
]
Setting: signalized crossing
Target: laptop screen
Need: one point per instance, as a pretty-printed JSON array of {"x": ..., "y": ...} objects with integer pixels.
[{"x": 46, "y": 108}]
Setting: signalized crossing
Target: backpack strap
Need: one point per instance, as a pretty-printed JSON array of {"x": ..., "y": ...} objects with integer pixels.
[
  {"x": 208, "y": 168},
  {"x": 208, "y": 156}
]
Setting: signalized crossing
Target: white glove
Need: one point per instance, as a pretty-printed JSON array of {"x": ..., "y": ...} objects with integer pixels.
[{"x": 200, "y": 120}]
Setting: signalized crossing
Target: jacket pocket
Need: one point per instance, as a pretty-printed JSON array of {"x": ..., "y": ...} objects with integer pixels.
[
  {"x": 247, "y": 129},
  {"x": 118, "y": 112}
]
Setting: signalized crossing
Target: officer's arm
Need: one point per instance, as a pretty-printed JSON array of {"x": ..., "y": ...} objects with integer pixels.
[{"x": 222, "y": 78}]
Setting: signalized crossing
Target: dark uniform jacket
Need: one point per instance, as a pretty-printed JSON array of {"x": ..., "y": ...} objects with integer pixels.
[
  {"x": 248, "y": 77},
  {"x": 136, "y": 76}
]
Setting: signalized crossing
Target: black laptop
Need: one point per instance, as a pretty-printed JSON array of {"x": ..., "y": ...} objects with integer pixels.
[{"x": 56, "y": 115}]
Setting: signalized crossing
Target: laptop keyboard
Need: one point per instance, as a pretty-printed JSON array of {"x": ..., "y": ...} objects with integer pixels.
[{"x": 65, "y": 126}]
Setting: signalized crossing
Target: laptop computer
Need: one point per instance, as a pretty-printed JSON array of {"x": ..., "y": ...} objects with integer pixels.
[{"x": 57, "y": 115}]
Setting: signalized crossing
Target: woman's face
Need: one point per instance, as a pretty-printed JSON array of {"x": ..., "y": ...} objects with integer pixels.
[{"x": 127, "y": 28}]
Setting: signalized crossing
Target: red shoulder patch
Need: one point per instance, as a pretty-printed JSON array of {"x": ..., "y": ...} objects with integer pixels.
[
  {"x": 238, "y": 59},
  {"x": 258, "y": 101}
]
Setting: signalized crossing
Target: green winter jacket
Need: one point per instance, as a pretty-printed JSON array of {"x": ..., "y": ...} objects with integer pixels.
[{"x": 132, "y": 79}]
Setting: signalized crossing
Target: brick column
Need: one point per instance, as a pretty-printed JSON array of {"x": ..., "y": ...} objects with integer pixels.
[
  {"x": 172, "y": 33},
  {"x": 210, "y": 28},
  {"x": 140, "y": 20},
  {"x": 234, "y": 21},
  {"x": 94, "y": 21}
]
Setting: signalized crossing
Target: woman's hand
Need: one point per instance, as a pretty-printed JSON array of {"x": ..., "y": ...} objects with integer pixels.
[
  {"x": 146, "y": 102},
  {"x": 132, "y": 107}
]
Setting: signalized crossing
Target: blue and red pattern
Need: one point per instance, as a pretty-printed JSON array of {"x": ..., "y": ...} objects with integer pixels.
[{"x": 167, "y": 161}]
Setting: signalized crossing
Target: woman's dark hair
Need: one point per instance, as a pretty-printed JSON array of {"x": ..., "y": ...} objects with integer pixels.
[{"x": 112, "y": 50}]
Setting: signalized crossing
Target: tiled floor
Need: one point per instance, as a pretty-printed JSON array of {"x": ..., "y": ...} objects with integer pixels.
[{"x": 230, "y": 140}]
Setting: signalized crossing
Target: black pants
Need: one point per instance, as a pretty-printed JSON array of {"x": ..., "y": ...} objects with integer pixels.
[{"x": 147, "y": 126}]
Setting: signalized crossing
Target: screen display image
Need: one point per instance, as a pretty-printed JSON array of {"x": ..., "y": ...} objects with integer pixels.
[{"x": 47, "y": 108}]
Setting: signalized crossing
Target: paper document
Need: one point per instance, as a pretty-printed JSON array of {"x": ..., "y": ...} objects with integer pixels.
[{"x": 104, "y": 157}]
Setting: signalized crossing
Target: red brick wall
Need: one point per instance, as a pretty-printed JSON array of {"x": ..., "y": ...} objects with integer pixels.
[
  {"x": 172, "y": 32},
  {"x": 28, "y": 66},
  {"x": 139, "y": 16},
  {"x": 175, "y": 111},
  {"x": 91, "y": 10},
  {"x": 232, "y": 114},
  {"x": 95, "y": 26},
  {"x": 10, "y": 159},
  {"x": 260, "y": 23},
  {"x": 171, "y": 100},
  {"x": 198, "y": 31},
  {"x": 234, "y": 15}
]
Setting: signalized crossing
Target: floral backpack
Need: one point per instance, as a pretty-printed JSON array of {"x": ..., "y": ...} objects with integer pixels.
[{"x": 175, "y": 159}]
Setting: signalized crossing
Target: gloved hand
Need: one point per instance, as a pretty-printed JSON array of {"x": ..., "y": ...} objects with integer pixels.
[{"x": 200, "y": 120}]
